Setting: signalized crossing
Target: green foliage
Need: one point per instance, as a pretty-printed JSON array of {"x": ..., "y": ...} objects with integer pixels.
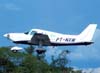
[
  {"x": 61, "y": 61},
  {"x": 30, "y": 50},
  {"x": 28, "y": 63},
  {"x": 6, "y": 66}
]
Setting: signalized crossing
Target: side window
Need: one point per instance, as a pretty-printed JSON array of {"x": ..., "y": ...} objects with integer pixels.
[{"x": 32, "y": 33}]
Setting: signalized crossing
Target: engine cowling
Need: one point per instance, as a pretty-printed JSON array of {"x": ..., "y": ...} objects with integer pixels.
[{"x": 16, "y": 49}]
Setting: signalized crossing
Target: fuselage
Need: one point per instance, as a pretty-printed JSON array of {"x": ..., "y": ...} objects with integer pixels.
[
  {"x": 42, "y": 38},
  {"x": 55, "y": 39}
]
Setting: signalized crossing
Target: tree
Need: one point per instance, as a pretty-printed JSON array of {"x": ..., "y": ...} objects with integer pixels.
[
  {"x": 27, "y": 62},
  {"x": 6, "y": 66},
  {"x": 30, "y": 50},
  {"x": 61, "y": 63}
]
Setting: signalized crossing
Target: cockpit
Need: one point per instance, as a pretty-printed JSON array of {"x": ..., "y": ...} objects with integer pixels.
[{"x": 30, "y": 32}]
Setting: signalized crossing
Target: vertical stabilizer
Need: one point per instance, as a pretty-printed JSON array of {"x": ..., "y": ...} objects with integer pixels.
[{"x": 88, "y": 33}]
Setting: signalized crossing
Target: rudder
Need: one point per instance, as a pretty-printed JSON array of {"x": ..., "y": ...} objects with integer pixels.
[{"x": 88, "y": 33}]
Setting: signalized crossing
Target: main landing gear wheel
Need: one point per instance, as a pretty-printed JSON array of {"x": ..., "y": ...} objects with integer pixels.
[{"x": 40, "y": 51}]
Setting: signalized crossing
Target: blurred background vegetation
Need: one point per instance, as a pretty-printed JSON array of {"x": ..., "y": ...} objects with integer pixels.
[{"x": 27, "y": 62}]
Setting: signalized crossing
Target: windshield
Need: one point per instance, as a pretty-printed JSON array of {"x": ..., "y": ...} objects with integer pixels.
[{"x": 26, "y": 32}]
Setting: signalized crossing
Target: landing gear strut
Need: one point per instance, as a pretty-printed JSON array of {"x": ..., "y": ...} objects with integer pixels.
[{"x": 40, "y": 49}]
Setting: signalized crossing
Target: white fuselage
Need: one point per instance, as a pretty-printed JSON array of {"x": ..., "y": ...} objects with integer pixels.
[
  {"x": 54, "y": 37},
  {"x": 48, "y": 38},
  {"x": 57, "y": 37}
]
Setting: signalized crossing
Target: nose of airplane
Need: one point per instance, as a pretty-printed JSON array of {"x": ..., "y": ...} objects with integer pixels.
[{"x": 6, "y": 35}]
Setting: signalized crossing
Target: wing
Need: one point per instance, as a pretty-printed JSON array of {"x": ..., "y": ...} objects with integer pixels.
[{"x": 40, "y": 38}]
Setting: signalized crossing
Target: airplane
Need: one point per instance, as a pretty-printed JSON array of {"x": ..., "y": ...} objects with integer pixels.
[{"x": 42, "y": 38}]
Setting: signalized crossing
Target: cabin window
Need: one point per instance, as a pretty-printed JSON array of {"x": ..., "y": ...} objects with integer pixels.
[{"x": 32, "y": 33}]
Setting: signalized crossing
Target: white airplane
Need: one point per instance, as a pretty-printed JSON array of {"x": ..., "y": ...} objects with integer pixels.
[{"x": 47, "y": 38}]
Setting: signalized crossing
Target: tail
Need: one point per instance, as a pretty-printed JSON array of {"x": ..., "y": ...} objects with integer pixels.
[{"x": 87, "y": 34}]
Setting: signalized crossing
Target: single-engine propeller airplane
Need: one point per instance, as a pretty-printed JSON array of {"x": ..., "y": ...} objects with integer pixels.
[{"x": 47, "y": 38}]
